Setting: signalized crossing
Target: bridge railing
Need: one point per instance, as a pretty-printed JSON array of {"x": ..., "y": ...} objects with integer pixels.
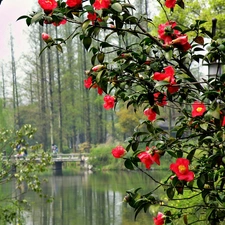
[
  {"x": 55, "y": 157},
  {"x": 69, "y": 157}
]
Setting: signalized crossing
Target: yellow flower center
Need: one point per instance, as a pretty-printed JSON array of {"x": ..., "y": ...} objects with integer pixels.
[
  {"x": 167, "y": 79},
  {"x": 182, "y": 169},
  {"x": 199, "y": 109},
  {"x": 48, "y": 1}
]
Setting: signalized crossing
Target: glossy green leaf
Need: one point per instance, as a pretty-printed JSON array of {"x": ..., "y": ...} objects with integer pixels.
[
  {"x": 135, "y": 146},
  {"x": 87, "y": 42},
  {"x": 128, "y": 164},
  {"x": 170, "y": 192},
  {"x": 37, "y": 17},
  {"x": 59, "y": 48},
  {"x": 201, "y": 181},
  {"x": 204, "y": 126},
  {"x": 101, "y": 57},
  {"x": 117, "y": 7}
]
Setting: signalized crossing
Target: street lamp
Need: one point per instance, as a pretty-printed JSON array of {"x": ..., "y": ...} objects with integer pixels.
[{"x": 215, "y": 67}]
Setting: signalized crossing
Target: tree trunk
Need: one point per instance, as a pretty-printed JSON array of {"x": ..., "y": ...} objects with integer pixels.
[
  {"x": 59, "y": 97},
  {"x": 51, "y": 102},
  {"x": 87, "y": 110},
  {"x": 3, "y": 87},
  {"x": 70, "y": 59},
  {"x": 42, "y": 91},
  {"x": 15, "y": 88}
]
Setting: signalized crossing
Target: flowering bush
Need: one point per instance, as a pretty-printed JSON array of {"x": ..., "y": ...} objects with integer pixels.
[{"x": 154, "y": 73}]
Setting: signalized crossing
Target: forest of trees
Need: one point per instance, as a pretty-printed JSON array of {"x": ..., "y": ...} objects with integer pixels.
[{"x": 51, "y": 95}]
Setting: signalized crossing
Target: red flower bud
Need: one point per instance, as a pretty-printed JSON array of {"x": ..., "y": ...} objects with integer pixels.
[
  {"x": 46, "y": 37},
  {"x": 97, "y": 68}
]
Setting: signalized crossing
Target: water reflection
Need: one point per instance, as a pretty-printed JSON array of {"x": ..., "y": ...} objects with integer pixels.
[{"x": 88, "y": 199}]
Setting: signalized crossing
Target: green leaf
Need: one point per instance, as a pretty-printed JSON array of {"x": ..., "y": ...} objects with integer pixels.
[
  {"x": 128, "y": 164},
  {"x": 37, "y": 17},
  {"x": 161, "y": 83},
  {"x": 135, "y": 146},
  {"x": 28, "y": 21},
  {"x": 59, "y": 48},
  {"x": 117, "y": 7},
  {"x": 191, "y": 155},
  {"x": 85, "y": 25},
  {"x": 99, "y": 75},
  {"x": 101, "y": 57},
  {"x": 180, "y": 132},
  {"x": 127, "y": 5},
  {"x": 201, "y": 181},
  {"x": 209, "y": 212},
  {"x": 42, "y": 50},
  {"x": 215, "y": 113},
  {"x": 87, "y": 42},
  {"x": 204, "y": 126},
  {"x": 170, "y": 192},
  {"x": 22, "y": 17},
  {"x": 172, "y": 154},
  {"x": 105, "y": 45}
]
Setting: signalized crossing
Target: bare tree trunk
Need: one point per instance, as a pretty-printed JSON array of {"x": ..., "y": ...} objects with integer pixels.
[
  {"x": 59, "y": 97},
  {"x": 43, "y": 95},
  {"x": 87, "y": 103},
  {"x": 70, "y": 59},
  {"x": 15, "y": 88},
  {"x": 3, "y": 88},
  {"x": 51, "y": 102}
]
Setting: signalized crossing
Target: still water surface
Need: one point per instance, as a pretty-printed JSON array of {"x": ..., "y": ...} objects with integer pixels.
[{"x": 87, "y": 198}]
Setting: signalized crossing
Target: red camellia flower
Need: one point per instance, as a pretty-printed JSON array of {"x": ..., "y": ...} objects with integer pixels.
[
  {"x": 159, "y": 219},
  {"x": 223, "y": 122},
  {"x": 92, "y": 16},
  {"x": 118, "y": 152},
  {"x": 171, "y": 36},
  {"x": 148, "y": 158},
  {"x": 62, "y": 22},
  {"x": 88, "y": 82},
  {"x": 166, "y": 31},
  {"x": 170, "y": 3},
  {"x": 181, "y": 42},
  {"x": 181, "y": 169},
  {"x": 48, "y": 5},
  {"x": 100, "y": 91},
  {"x": 198, "y": 108},
  {"x": 168, "y": 75},
  {"x": 74, "y": 3},
  {"x": 150, "y": 113},
  {"x": 101, "y": 4},
  {"x": 160, "y": 99},
  {"x": 173, "y": 87},
  {"x": 109, "y": 102}
]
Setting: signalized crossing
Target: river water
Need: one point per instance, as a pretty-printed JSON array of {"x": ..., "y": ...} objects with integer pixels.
[{"x": 87, "y": 198}]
